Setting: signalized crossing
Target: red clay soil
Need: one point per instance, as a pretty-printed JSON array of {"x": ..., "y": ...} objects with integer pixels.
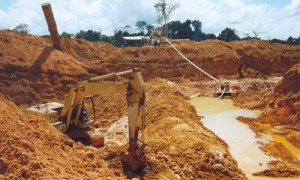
[
  {"x": 282, "y": 107},
  {"x": 29, "y": 65},
  {"x": 32, "y": 72},
  {"x": 178, "y": 143},
  {"x": 290, "y": 81},
  {"x": 262, "y": 56},
  {"x": 31, "y": 148}
]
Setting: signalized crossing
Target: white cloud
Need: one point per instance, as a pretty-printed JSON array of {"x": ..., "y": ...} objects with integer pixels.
[
  {"x": 74, "y": 15},
  {"x": 269, "y": 21}
]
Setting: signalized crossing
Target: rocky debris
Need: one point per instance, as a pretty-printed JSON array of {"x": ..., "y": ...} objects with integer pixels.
[{"x": 251, "y": 73}]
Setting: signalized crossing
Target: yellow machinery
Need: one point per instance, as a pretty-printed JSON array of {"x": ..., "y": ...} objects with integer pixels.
[{"x": 73, "y": 119}]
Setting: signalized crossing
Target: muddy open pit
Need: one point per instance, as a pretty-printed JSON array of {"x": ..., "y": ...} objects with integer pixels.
[{"x": 189, "y": 134}]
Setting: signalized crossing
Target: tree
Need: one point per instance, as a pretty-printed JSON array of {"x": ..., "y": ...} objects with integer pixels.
[
  {"x": 92, "y": 35},
  {"x": 197, "y": 28},
  {"x": 89, "y": 35},
  {"x": 80, "y": 34},
  {"x": 248, "y": 37},
  {"x": 22, "y": 28},
  {"x": 228, "y": 35},
  {"x": 178, "y": 30},
  {"x": 65, "y": 35},
  {"x": 175, "y": 27},
  {"x": 290, "y": 40},
  {"x": 210, "y": 36},
  {"x": 141, "y": 25},
  {"x": 127, "y": 27},
  {"x": 298, "y": 41},
  {"x": 149, "y": 28},
  {"x": 185, "y": 31},
  {"x": 277, "y": 41},
  {"x": 164, "y": 11}
]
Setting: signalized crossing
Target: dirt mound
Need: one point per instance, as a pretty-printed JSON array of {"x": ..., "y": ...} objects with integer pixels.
[
  {"x": 32, "y": 71},
  {"x": 290, "y": 81},
  {"x": 178, "y": 143},
  {"x": 31, "y": 148}
]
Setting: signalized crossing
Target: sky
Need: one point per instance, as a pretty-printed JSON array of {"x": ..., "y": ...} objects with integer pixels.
[{"x": 268, "y": 18}]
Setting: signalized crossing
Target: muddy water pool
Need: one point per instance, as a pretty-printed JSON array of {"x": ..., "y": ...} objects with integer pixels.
[{"x": 220, "y": 117}]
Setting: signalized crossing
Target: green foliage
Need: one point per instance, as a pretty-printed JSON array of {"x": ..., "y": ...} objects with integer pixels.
[
  {"x": 150, "y": 29},
  {"x": 178, "y": 30},
  {"x": 89, "y": 35},
  {"x": 185, "y": 32},
  {"x": 293, "y": 41},
  {"x": 65, "y": 35},
  {"x": 290, "y": 41},
  {"x": 141, "y": 25},
  {"x": 197, "y": 30},
  {"x": 228, "y": 35},
  {"x": 22, "y": 28},
  {"x": 92, "y": 36},
  {"x": 277, "y": 41},
  {"x": 127, "y": 27},
  {"x": 209, "y": 36}
]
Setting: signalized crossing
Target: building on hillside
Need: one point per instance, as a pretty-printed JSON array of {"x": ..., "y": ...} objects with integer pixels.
[{"x": 128, "y": 41}]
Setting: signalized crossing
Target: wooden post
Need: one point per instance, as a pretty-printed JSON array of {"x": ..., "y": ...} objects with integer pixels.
[{"x": 52, "y": 25}]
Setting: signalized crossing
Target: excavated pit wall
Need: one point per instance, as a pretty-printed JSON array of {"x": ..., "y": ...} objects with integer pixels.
[
  {"x": 29, "y": 64},
  {"x": 216, "y": 57}
]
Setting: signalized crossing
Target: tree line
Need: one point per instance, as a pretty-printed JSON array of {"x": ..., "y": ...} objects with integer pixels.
[{"x": 176, "y": 30}]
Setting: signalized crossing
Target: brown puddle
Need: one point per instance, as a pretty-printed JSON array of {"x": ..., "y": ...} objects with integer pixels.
[
  {"x": 294, "y": 151},
  {"x": 220, "y": 117}
]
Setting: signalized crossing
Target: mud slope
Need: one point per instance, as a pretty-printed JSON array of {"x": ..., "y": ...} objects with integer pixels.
[
  {"x": 31, "y": 148},
  {"x": 178, "y": 144},
  {"x": 283, "y": 105},
  {"x": 32, "y": 71},
  {"x": 30, "y": 66},
  {"x": 281, "y": 117},
  {"x": 290, "y": 81}
]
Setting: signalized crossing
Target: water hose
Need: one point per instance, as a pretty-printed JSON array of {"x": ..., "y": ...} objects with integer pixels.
[{"x": 204, "y": 72}]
